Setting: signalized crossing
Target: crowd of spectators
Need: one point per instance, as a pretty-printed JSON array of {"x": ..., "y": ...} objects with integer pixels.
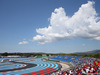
[{"x": 83, "y": 66}]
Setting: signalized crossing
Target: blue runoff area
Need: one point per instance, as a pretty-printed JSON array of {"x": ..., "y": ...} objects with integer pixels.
[{"x": 40, "y": 66}]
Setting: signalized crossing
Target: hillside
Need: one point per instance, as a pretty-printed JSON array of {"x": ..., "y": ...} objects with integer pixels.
[{"x": 89, "y": 52}]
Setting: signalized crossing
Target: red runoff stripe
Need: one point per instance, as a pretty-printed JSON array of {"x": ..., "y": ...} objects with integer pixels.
[
  {"x": 44, "y": 71},
  {"x": 36, "y": 71}
]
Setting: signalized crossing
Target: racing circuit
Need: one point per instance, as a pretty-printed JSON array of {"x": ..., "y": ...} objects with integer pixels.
[
  {"x": 27, "y": 66},
  {"x": 56, "y": 65}
]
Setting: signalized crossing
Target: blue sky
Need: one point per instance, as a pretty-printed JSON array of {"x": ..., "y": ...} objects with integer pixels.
[{"x": 24, "y": 26}]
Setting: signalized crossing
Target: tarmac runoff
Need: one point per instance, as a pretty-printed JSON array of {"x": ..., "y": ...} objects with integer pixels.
[
  {"x": 26, "y": 66},
  {"x": 64, "y": 66}
]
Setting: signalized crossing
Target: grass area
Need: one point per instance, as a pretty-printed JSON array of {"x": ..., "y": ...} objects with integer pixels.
[{"x": 53, "y": 60}]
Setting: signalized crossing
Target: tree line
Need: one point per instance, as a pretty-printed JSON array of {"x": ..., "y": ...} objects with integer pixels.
[{"x": 40, "y": 54}]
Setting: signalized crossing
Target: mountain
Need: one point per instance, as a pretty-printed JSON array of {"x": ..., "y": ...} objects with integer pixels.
[{"x": 89, "y": 52}]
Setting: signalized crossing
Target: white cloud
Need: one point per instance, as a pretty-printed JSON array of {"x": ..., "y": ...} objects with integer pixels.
[
  {"x": 84, "y": 24},
  {"x": 24, "y": 39},
  {"x": 83, "y": 44},
  {"x": 23, "y": 42}
]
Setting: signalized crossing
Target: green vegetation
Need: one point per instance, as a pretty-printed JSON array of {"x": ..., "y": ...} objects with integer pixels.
[
  {"x": 21, "y": 54},
  {"x": 53, "y": 60},
  {"x": 40, "y": 54},
  {"x": 84, "y": 55},
  {"x": 4, "y": 54},
  {"x": 92, "y": 55}
]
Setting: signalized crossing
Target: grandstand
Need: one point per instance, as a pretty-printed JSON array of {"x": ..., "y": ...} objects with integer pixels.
[
  {"x": 66, "y": 58},
  {"x": 81, "y": 66}
]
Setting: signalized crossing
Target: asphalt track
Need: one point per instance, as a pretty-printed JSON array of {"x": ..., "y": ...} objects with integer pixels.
[{"x": 28, "y": 65}]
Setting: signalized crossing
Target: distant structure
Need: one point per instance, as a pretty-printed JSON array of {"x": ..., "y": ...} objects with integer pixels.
[
  {"x": 13, "y": 56},
  {"x": 44, "y": 55},
  {"x": 49, "y": 55}
]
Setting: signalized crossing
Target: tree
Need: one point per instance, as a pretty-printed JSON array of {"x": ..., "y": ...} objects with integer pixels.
[{"x": 5, "y": 54}]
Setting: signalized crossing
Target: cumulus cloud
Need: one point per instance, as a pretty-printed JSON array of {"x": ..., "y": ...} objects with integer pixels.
[
  {"x": 84, "y": 23},
  {"x": 23, "y": 42}
]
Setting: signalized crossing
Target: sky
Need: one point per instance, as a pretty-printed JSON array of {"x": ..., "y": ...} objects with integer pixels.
[{"x": 51, "y": 26}]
